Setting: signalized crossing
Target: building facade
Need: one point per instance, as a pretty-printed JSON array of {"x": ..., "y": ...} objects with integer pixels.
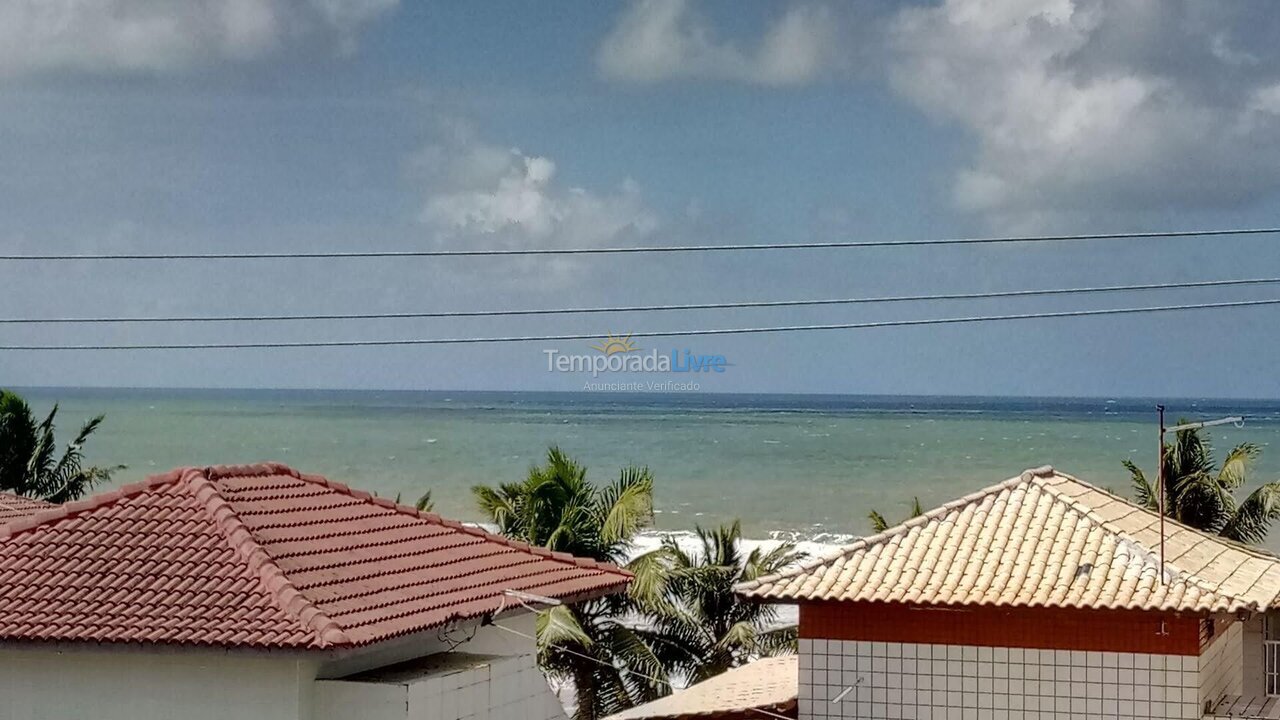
[
  {"x": 259, "y": 592},
  {"x": 1039, "y": 598}
]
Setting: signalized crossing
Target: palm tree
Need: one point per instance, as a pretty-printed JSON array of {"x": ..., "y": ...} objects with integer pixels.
[
  {"x": 28, "y": 465},
  {"x": 424, "y": 503},
  {"x": 1200, "y": 494},
  {"x": 587, "y": 644},
  {"x": 708, "y": 626},
  {"x": 879, "y": 524}
]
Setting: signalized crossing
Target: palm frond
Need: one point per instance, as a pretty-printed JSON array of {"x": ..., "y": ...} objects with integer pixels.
[
  {"x": 1199, "y": 501},
  {"x": 67, "y": 481},
  {"x": 559, "y": 627},
  {"x": 563, "y": 538},
  {"x": 1144, "y": 493},
  {"x": 680, "y": 558},
  {"x": 425, "y": 503},
  {"x": 650, "y": 581},
  {"x": 779, "y": 641},
  {"x": 1252, "y": 520},
  {"x": 564, "y": 469},
  {"x": 740, "y": 635},
  {"x": 645, "y": 672},
  {"x": 78, "y": 485},
  {"x": 29, "y": 464},
  {"x": 759, "y": 565},
  {"x": 40, "y": 464},
  {"x": 1191, "y": 453},
  {"x": 609, "y": 693},
  {"x": 878, "y": 523},
  {"x": 17, "y": 441},
  {"x": 498, "y": 505},
  {"x": 626, "y": 505},
  {"x": 1235, "y": 466}
]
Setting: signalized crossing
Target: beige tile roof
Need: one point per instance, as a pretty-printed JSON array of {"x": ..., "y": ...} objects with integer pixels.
[
  {"x": 1041, "y": 539},
  {"x": 768, "y": 684}
]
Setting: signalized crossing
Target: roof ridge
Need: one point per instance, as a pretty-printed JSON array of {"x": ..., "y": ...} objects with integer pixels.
[
  {"x": 800, "y": 568},
  {"x": 1088, "y": 513},
  {"x": 326, "y": 631},
  {"x": 1254, "y": 550},
  {"x": 75, "y": 508},
  {"x": 565, "y": 558}
]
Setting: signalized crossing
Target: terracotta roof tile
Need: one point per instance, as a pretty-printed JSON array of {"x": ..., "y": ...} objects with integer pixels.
[
  {"x": 13, "y": 507},
  {"x": 261, "y": 556},
  {"x": 769, "y": 684},
  {"x": 1040, "y": 539}
]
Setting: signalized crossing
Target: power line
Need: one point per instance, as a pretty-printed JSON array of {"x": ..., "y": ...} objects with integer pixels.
[
  {"x": 638, "y": 308},
  {"x": 346, "y": 254},
  {"x": 649, "y": 334}
]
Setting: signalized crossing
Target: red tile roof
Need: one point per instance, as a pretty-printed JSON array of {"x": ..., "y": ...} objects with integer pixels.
[
  {"x": 13, "y": 507},
  {"x": 262, "y": 556}
]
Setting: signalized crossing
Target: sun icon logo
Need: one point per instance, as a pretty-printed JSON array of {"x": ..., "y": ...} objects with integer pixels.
[{"x": 614, "y": 344}]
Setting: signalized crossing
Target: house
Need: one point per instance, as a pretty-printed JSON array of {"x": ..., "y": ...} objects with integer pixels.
[
  {"x": 259, "y": 592},
  {"x": 1040, "y": 597},
  {"x": 14, "y": 507},
  {"x": 761, "y": 689}
]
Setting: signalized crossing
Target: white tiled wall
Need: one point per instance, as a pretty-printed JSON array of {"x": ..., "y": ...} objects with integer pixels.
[{"x": 901, "y": 681}]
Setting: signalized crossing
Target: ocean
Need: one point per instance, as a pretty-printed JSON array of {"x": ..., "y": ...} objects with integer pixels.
[{"x": 806, "y": 468}]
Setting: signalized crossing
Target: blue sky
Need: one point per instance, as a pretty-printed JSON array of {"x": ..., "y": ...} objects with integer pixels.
[{"x": 345, "y": 124}]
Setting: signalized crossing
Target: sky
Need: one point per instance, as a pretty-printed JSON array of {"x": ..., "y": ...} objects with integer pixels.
[{"x": 287, "y": 125}]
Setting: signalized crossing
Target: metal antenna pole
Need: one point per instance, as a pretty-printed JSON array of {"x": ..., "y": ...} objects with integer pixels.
[
  {"x": 1160, "y": 487},
  {"x": 1235, "y": 420}
]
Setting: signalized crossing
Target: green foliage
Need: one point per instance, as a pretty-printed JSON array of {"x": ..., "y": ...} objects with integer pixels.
[
  {"x": 1201, "y": 494},
  {"x": 557, "y": 508},
  {"x": 29, "y": 462},
  {"x": 879, "y": 524},
  {"x": 705, "y": 626},
  {"x": 425, "y": 503},
  {"x": 680, "y": 618}
]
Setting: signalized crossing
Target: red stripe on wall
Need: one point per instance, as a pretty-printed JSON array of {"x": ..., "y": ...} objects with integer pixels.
[{"x": 1050, "y": 628}]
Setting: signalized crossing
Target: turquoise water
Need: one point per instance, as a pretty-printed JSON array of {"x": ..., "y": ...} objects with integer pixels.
[{"x": 809, "y": 466}]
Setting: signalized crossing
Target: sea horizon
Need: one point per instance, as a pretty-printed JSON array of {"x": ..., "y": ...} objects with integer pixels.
[
  {"x": 791, "y": 466},
  {"x": 1165, "y": 400}
]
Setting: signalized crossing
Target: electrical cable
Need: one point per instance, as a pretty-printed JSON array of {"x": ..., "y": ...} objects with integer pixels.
[
  {"x": 645, "y": 334},
  {"x": 633, "y": 308},
  {"x": 636, "y": 249}
]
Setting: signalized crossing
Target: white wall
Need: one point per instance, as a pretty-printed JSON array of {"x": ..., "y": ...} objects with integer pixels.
[
  {"x": 131, "y": 684},
  {"x": 470, "y": 687},
  {"x": 472, "y": 673},
  {"x": 1255, "y": 664},
  {"x": 38, "y": 684},
  {"x": 907, "y": 681},
  {"x": 487, "y": 640},
  {"x": 1222, "y": 663}
]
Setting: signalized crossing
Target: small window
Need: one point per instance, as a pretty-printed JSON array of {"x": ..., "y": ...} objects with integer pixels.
[{"x": 1271, "y": 627}]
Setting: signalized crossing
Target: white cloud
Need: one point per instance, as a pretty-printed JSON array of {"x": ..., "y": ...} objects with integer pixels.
[
  {"x": 1085, "y": 106},
  {"x": 656, "y": 40},
  {"x": 159, "y": 36},
  {"x": 1266, "y": 100},
  {"x": 507, "y": 198}
]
